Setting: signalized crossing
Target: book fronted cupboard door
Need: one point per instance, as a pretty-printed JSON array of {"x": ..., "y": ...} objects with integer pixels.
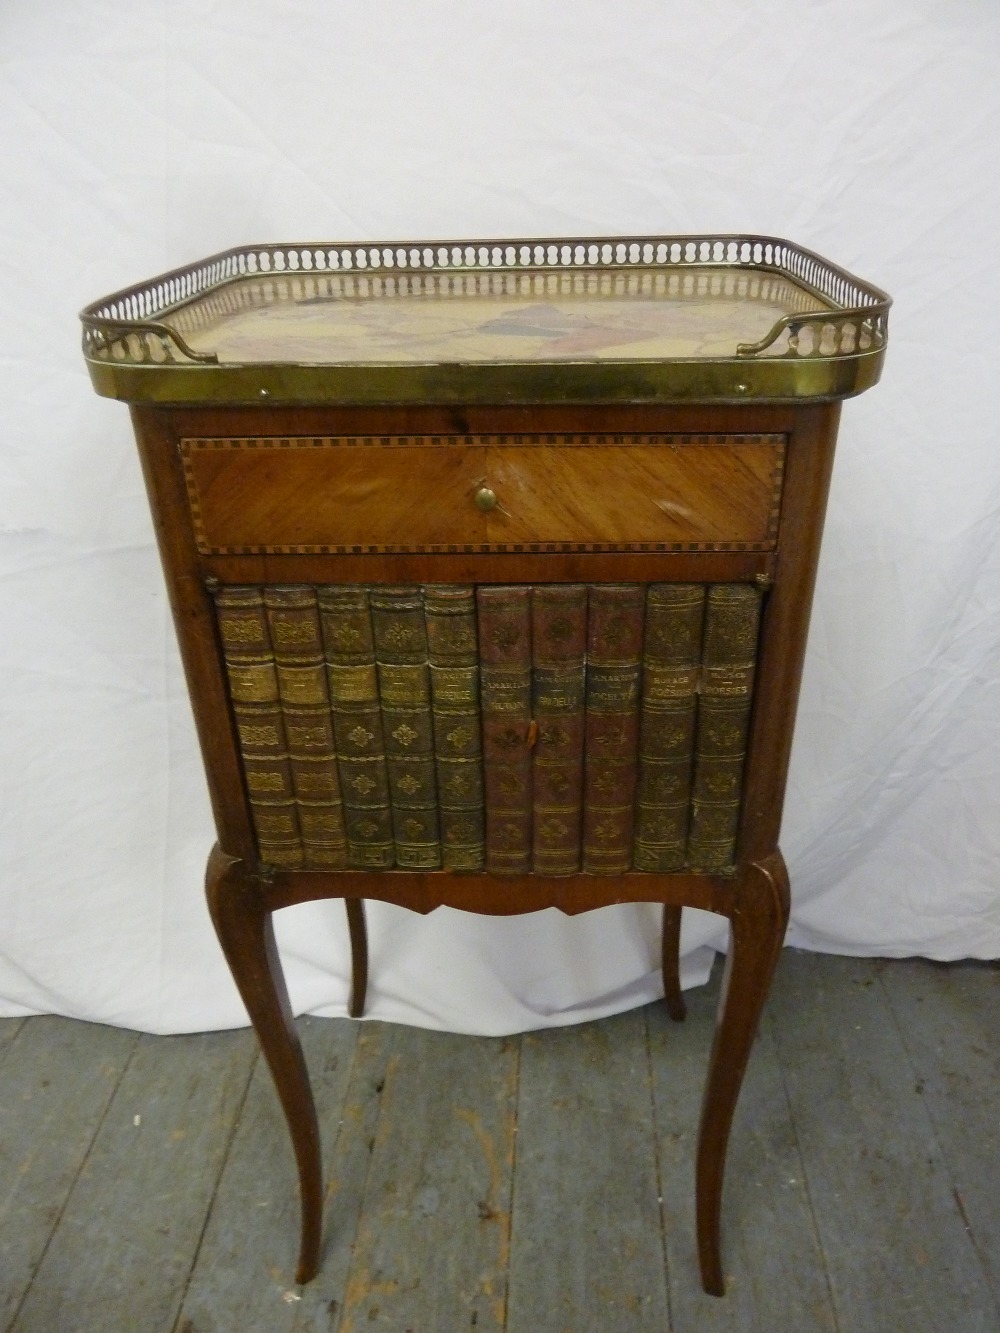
[{"x": 495, "y": 634}]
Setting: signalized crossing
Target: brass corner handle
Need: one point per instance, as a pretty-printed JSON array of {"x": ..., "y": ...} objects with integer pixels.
[{"x": 486, "y": 499}]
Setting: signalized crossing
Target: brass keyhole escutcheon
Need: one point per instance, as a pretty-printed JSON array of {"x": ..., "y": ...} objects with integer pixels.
[{"x": 486, "y": 499}]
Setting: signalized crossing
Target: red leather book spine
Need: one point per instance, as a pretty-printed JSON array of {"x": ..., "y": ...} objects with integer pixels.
[
  {"x": 614, "y": 651},
  {"x": 559, "y": 646},
  {"x": 505, "y": 664}
]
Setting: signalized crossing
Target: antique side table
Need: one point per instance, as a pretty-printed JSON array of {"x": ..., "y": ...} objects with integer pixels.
[{"x": 491, "y": 565}]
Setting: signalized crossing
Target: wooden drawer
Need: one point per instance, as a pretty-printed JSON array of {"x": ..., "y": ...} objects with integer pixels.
[{"x": 554, "y": 492}]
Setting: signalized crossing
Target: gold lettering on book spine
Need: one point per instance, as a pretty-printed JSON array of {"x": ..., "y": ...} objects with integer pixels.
[
  {"x": 453, "y": 664},
  {"x": 260, "y": 730},
  {"x": 356, "y": 718},
  {"x": 671, "y": 655},
  {"x": 732, "y": 627},
  {"x": 615, "y": 623},
  {"x": 504, "y": 626},
  {"x": 559, "y": 647},
  {"x": 401, "y": 653},
  {"x": 294, "y": 624}
]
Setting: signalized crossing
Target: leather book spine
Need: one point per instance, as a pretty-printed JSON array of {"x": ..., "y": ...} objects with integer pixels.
[
  {"x": 260, "y": 728},
  {"x": 558, "y": 649},
  {"x": 505, "y": 664},
  {"x": 614, "y": 650},
  {"x": 405, "y": 697},
  {"x": 453, "y": 660},
  {"x": 293, "y": 621},
  {"x": 349, "y": 649},
  {"x": 729, "y": 659},
  {"x": 671, "y": 655}
]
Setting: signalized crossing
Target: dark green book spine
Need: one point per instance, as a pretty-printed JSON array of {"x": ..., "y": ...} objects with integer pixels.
[
  {"x": 260, "y": 727},
  {"x": 293, "y": 621},
  {"x": 453, "y": 659},
  {"x": 729, "y": 659},
  {"x": 349, "y": 649},
  {"x": 671, "y": 654},
  {"x": 405, "y": 698}
]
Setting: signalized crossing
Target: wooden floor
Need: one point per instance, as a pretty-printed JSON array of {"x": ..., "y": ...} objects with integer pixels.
[{"x": 538, "y": 1184}]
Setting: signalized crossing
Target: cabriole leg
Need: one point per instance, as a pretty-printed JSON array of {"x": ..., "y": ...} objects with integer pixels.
[
  {"x": 359, "y": 955},
  {"x": 757, "y": 928},
  {"x": 671, "y": 963},
  {"x": 244, "y": 926}
]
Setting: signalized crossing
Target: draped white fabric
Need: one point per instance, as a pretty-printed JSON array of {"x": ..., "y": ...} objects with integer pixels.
[{"x": 137, "y": 137}]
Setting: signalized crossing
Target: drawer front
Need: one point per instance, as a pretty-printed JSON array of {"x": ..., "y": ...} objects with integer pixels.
[{"x": 419, "y": 493}]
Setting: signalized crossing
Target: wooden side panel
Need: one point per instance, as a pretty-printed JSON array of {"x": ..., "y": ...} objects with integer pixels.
[
  {"x": 785, "y": 626},
  {"x": 194, "y": 621},
  {"x": 336, "y": 494}
]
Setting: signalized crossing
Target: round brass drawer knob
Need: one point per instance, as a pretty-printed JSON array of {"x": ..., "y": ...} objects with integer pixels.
[{"x": 486, "y": 499}]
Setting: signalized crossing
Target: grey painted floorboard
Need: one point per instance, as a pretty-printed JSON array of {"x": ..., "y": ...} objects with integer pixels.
[
  {"x": 57, "y": 1082},
  {"x": 347, "y": 1168},
  {"x": 862, "y": 1192},
  {"x": 897, "y": 1250},
  {"x": 432, "y": 1245},
  {"x": 775, "y": 1275},
  {"x": 123, "y": 1247},
  {"x": 244, "y": 1274},
  {"x": 431, "y": 1251},
  {"x": 9, "y": 1028},
  {"x": 949, "y": 1020},
  {"x": 587, "y": 1251}
]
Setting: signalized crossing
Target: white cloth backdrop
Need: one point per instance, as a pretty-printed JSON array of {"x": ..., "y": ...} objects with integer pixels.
[{"x": 137, "y": 137}]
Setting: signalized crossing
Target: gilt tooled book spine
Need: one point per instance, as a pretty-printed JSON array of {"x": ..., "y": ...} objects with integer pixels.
[
  {"x": 558, "y": 650},
  {"x": 614, "y": 649},
  {"x": 729, "y": 653},
  {"x": 505, "y": 662},
  {"x": 405, "y": 697},
  {"x": 670, "y": 661},
  {"x": 349, "y": 648},
  {"x": 453, "y": 658},
  {"x": 293, "y": 620},
  {"x": 253, "y": 689}
]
